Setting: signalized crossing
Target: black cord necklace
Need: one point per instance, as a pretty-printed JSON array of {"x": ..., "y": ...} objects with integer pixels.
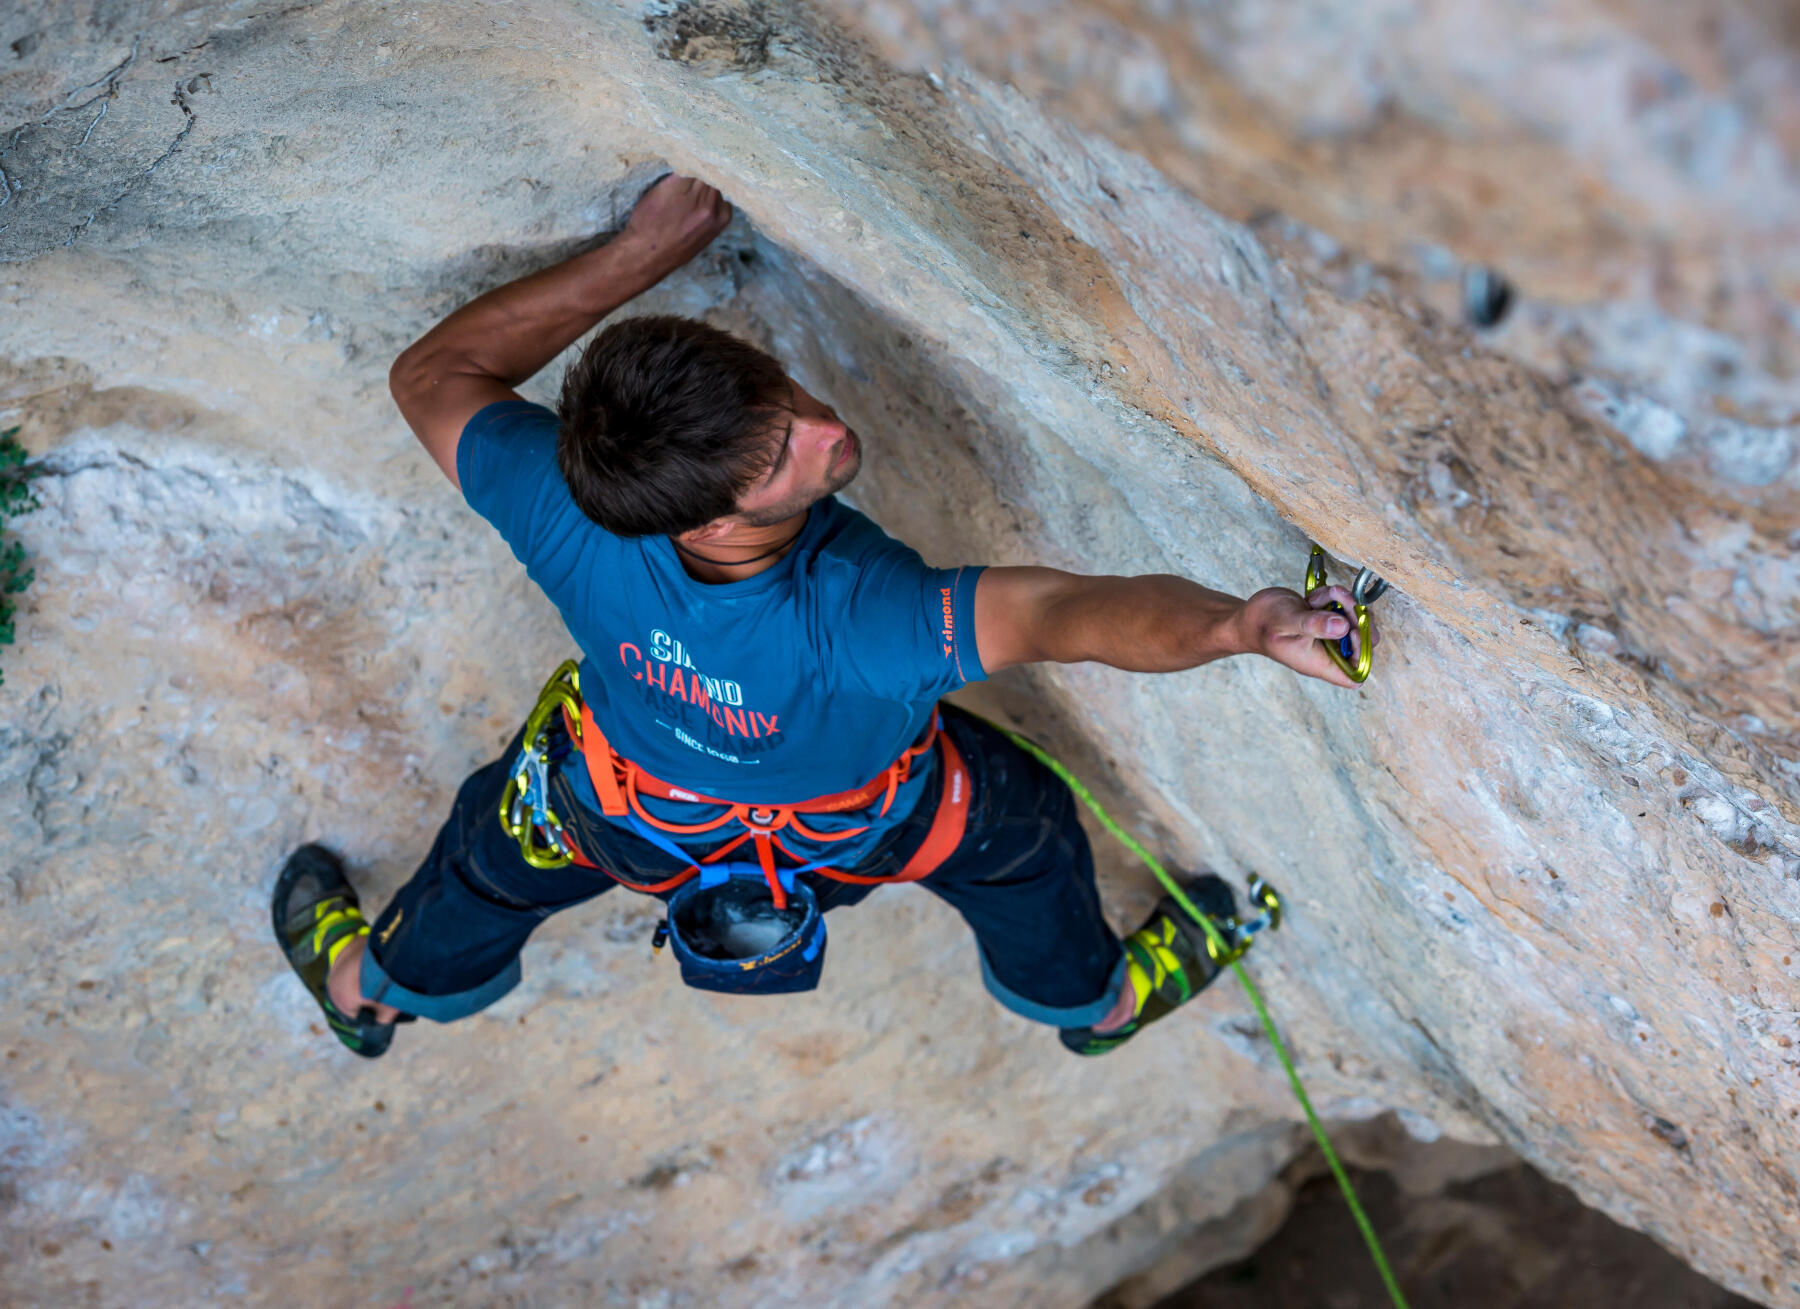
[{"x": 734, "y": 563}]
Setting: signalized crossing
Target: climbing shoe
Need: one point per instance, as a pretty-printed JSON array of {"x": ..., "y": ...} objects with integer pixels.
[
  {"x": 1166, "y": 960},
  {"x": 315, "y": 915}
]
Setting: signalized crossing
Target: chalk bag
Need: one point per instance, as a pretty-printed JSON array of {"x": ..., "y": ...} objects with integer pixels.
[{"x": 728, "y": 935}]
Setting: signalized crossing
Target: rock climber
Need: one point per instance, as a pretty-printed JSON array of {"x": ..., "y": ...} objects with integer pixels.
[{"x": 762, "y": 672}]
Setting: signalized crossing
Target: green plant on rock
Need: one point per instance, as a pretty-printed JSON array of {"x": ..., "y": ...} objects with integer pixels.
[{"x": 16, "y": 497}]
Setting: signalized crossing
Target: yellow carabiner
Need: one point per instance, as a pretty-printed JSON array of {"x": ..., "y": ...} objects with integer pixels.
[
  {"x": 1367, "y": 589},
  {"x": 1235, "y": 935},
  {"x": 562, "y": 691}
]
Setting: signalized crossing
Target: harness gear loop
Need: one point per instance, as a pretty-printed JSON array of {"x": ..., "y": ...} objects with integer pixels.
[
  {"x": 620, "y": 785},
  {"x": 1365, "y": 591}
]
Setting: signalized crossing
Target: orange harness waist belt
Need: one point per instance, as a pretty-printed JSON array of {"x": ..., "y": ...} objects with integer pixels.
[{"x": 621, "y": 784}]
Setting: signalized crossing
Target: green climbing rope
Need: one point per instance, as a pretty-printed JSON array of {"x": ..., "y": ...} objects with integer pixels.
[{"x": 1173, "y": 887}]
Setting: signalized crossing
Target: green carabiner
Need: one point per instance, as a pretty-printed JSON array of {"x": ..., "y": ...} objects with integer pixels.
[{"x": 1365, "y": 591}]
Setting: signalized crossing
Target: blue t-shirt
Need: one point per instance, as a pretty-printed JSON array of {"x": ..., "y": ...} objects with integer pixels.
[{"x": 804, "y": 680}]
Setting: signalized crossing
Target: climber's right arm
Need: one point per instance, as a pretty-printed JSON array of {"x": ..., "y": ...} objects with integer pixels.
[
  {"x": 1151, "y": 624},
  {"x": 480, "y": 353}
]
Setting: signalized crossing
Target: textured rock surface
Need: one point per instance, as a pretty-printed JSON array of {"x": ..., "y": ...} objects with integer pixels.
[{"x": 1545, "y": 867}]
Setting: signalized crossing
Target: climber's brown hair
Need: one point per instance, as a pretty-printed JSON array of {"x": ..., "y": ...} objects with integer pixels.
[{"x": 665, "y": 422}]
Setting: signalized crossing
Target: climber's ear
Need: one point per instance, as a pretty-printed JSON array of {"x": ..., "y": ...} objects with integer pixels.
[
  {"x": 438, "y": 393},
  {"x": 711, "y": 531}
]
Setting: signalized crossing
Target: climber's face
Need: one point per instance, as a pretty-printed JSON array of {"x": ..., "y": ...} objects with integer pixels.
[{"x": 814, "y": 453}]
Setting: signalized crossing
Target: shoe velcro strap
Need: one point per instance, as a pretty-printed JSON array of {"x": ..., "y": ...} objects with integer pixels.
[
  {"x": 1153, "y": 950},
  {"x": 339, "y": 924}
]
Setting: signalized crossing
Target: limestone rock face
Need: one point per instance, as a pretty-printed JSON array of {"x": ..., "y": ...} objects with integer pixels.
[{"x": 1109, "y": 288}]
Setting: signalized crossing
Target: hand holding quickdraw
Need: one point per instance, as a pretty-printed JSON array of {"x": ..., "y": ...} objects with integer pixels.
[
  {"x": 1353, "y": 652},
  {"x": 1325, "y": 634}
]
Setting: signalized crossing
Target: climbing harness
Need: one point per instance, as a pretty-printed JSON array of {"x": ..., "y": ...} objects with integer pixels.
[
  {"x": 620, "y": 785},
  {"x": 1364, "y": 591},
  {"x": 734, "y": 926},
  {"x": 713, "y": 887},
  {"x": 1227, "y": 943}
]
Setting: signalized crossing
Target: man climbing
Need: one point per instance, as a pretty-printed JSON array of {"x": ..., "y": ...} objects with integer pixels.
[{"x": 761, "y": 677}]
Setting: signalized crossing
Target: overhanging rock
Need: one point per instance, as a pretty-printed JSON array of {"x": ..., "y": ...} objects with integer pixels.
[{"x": 1544, "y": 866}]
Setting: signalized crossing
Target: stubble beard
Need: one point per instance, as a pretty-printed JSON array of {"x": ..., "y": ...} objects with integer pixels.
[{"x": 800, "y": 503}]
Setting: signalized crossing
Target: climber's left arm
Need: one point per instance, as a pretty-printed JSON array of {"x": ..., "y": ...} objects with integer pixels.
[
  {"x": 478, "y": 354},
  {"x": 1152, "y": 624}
]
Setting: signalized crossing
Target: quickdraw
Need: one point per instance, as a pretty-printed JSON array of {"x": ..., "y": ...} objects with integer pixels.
[
  {"x": 525, "y": 810},
  {"x": 1235, "y": 935},
  {"x": 1353, "y": 655}
]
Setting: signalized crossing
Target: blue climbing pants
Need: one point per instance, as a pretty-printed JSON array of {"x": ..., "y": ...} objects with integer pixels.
[{"x": 448, "y": 944}]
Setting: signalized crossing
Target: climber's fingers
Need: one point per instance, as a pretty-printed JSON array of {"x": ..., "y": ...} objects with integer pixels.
[
  {"x": 1321, "y": 627},
  {"x": 1324, "y": 623},
  {"x": 1289, "y": 629},
  {"x": 676, "y": 217}
]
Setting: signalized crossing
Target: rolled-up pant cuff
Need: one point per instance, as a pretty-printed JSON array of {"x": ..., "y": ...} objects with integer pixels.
[
  {"x": 1085, "y": 1015},
  {"x": 379, "y": 988}
]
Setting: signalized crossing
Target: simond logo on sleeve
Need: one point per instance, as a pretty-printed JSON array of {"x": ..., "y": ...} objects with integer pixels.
[{"x": 949, "y": 628}]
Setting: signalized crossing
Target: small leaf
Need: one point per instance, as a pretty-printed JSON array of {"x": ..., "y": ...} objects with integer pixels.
[{"x": 16, "y": 497}]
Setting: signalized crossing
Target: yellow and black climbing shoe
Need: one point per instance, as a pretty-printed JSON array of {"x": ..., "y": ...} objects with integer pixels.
[
  {"x": 315, "y": 915},
  {"x": 1166, "y": 961}
]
